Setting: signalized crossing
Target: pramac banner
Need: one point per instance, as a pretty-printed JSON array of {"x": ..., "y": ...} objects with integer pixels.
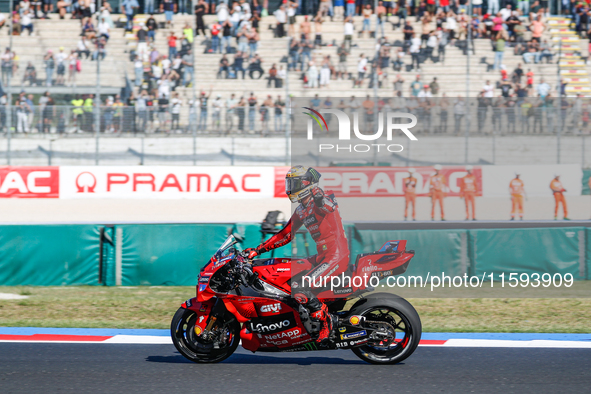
[
  {"x": 166, "y": 182},
  {"x": 226, "y": 182},
  {"x": 29, "y": 182},
  {"x": 384, "y": 181}
]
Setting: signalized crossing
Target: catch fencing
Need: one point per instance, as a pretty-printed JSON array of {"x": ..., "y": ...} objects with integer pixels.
[
  {"x": 439, "y": 116},
  {"x": 127, "y": 134}
]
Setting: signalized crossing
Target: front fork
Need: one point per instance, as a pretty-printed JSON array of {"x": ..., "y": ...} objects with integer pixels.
[
  {"x": 217, "y": 311},
  {"x": 208, "y": 312}
]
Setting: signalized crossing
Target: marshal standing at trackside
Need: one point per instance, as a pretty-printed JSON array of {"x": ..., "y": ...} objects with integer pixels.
[{"x": 320, "y": 214}]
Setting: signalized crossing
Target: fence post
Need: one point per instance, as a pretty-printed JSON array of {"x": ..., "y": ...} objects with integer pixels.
[
  {"x": 8, "y": 88},
  {"x": 467, "y": 130},
  {"x": 232, "y": 158},
  {"x": 558, "y": 132},
  {"x": 142, "y": 156},
  {"x": 97, "y": 104},
  {"x": 583, "y": 153},
  {"x": 118, "y": 256},
  {"x": 50, "y": 152},
  {"x": 494, "y": 146}
]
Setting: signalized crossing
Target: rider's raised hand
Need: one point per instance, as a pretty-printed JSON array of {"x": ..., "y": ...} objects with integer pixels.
[
  {"x": 251, "y": 253},
  {"x": 318, "y": 195}
]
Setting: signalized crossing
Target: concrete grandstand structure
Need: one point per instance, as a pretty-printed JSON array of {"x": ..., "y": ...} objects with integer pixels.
[{"x": 52, "y": 34}]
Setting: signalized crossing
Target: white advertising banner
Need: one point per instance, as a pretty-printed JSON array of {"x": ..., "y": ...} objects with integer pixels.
[
  {"x": 174, "y": 182},
  {"x": 536, "y": 179}
]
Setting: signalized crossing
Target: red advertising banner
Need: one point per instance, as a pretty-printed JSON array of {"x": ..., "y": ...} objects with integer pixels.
[
  {"x": 280, "y": 181},
  {"x": 383, "y": 181},
  {"x": 29, "y": 182},
  {"x": 166, "y": 182}
]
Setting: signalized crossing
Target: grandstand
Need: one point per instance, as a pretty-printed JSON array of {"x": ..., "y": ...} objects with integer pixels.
[
  {"x": 452, "y": 73},
  {"x": 461, "y": 73}
]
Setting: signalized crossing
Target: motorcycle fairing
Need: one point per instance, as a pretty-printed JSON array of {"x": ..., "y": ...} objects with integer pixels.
[
  {"x": 391, "y": 259},
  {"x": 270, "y": 324}
]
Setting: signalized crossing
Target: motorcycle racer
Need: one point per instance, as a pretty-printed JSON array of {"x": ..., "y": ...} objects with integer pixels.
[{"x": 318, "y": 212}]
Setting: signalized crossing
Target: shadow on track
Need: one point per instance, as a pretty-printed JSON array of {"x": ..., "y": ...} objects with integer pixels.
[{"x": 262, "y": 359}]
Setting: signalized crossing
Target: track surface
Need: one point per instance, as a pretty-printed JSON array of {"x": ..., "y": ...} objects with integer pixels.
[{"x": 113, "y": 368}]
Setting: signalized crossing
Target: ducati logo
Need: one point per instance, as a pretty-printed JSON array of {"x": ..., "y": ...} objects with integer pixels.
[{"x": 271, "y": 308}]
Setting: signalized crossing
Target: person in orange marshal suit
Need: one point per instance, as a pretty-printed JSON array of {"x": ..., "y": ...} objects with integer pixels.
[
  {"x": 558, "y": 191},
  {"x": 410, "y": 193},
  {"x": 437, "y": 191},
  {"x": 517, "y": 190},
  {"x": 468, "y": 189}
]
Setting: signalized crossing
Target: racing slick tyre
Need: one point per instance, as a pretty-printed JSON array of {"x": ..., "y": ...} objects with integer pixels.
[
  {"x": 224, "y": 340},
  {"x": 395, "y": 345}
]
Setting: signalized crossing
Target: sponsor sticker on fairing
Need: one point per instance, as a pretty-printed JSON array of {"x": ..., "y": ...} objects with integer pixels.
[
  {"x": 295, "y": 333},
  {"x": 279, "y": 343},
  {"x": 354, "y": 335},
  {"x": 271, "y": 308},
  {"x": 319, "y": 270},
  {"x": 276, "y": 323}
]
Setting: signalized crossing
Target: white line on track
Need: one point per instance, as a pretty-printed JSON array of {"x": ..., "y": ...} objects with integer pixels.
[{"x": 164, "y": 340}]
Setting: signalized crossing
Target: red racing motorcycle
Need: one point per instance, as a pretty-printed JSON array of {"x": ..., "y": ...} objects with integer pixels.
[{"x": 249, "y": 301}]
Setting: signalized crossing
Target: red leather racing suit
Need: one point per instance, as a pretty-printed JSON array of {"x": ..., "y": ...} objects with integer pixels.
[{"x": 323, "y": 222}]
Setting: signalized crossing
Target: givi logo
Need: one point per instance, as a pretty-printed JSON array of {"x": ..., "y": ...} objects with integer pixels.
[
  {"x": 271, "y": 308},
  {"x": 29, "y": 182}
]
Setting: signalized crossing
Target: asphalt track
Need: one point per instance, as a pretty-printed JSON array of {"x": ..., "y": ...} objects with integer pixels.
[{"x": 60, "y": 367}]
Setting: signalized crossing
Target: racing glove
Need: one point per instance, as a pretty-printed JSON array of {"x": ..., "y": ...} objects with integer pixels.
[
  {"x": 318, "y": 196},
  {"x": 251, "y": 253}
]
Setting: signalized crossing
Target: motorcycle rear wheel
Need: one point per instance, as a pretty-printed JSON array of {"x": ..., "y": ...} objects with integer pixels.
[
  {"x": 400, "y": 314},
  {"x": 193, "y": 347}
]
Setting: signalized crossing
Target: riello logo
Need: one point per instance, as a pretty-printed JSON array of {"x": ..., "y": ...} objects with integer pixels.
[{"x": 391, "y": 120}]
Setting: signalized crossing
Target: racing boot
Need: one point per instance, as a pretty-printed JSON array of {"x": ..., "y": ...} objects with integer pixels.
[{"x": 326, "y": 323}]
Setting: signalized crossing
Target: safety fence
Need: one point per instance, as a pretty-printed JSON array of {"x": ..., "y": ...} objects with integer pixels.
[
  {"x": 173, "y": 254},
  {"x": 268, "y": 116}
]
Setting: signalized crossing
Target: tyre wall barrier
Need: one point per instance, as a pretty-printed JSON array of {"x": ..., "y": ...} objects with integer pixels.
[{"x": 173, "y": 254}]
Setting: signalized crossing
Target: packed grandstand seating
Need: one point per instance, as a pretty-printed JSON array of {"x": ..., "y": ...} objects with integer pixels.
[{"x": 249, "y": 60}]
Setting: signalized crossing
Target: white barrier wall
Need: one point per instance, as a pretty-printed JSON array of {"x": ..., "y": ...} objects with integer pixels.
[{"x": 254, "y": 150}]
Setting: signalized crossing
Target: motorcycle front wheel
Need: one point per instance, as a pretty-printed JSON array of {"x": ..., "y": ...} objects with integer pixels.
[
  {"x": 400, "y": 337},
  {"x": 223, "y": 342}
]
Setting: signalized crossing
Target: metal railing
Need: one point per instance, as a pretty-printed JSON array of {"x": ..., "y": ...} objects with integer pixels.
[
  {"x": 131, "y": 120},
  {"x": 502, "y": 117}
]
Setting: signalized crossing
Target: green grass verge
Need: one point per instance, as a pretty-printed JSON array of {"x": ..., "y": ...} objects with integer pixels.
[{"x": 153, "y": 307}]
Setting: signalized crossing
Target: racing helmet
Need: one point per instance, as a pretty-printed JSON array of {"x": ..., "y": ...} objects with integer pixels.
[{"x": 299, "y": 182}]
